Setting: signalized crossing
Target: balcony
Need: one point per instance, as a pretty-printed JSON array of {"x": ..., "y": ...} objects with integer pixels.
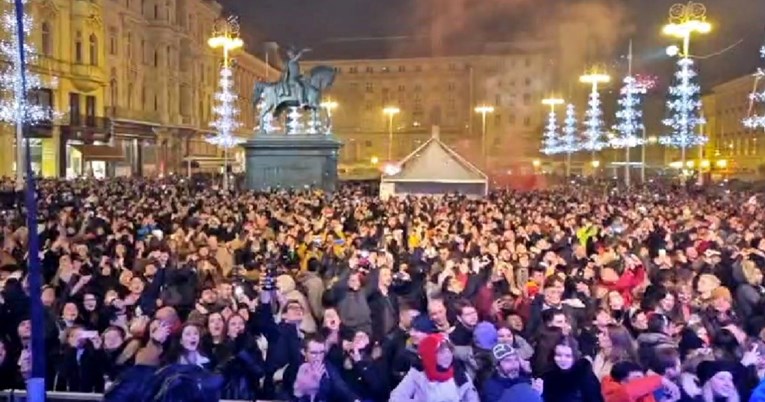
[
  {"x": 85, "y": 128},
  {"x": 123, "y": 113},
  {"x": 87, "y": 78}
]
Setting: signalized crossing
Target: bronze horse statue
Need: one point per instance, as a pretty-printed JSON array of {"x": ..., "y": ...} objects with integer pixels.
[{"x": 307, "y": 96}]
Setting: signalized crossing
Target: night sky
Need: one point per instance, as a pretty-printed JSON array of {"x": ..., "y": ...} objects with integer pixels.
[{"x": 738, "y": 24}]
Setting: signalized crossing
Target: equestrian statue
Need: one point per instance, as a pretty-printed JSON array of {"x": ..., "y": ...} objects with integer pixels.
[{"x": 293, "y": 90}]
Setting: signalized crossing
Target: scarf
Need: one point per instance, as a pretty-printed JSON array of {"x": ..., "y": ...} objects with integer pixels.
[{"x": 428, "y": 349}]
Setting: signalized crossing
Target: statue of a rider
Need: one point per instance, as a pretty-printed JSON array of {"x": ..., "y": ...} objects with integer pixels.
[{"x": 291, "y": 78}]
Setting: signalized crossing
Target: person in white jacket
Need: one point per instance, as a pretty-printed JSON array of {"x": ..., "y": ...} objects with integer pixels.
[{"x": 438, "y": 379}]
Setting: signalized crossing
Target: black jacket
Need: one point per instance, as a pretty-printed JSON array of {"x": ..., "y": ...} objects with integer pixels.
[{"x": 578, "y": 384}]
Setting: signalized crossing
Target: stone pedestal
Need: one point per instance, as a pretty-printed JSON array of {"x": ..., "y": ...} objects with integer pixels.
[{"x": 291, "y": 161}]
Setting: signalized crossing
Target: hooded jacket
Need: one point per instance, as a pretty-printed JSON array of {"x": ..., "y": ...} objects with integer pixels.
[{"x": 434, "y": 384}]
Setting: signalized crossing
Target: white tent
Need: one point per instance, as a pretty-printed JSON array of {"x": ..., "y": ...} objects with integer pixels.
[{"x": 433, "y": 168}]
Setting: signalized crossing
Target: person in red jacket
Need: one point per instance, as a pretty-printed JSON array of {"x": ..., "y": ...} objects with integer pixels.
[{"x": 628, "y": 383}]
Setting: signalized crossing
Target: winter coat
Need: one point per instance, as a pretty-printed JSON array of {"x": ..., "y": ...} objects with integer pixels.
[
  {"x": 314, "y": 288},
  {"x": 639, "y": 390},
  {"x": 352, "y": 306},
  {"x": 242, "y": 370},
  {"x": 284, "y": 350},
  {"x": 415, "y": 387},
  {"x": 577, "y": 384},
  {"x": 649, "y": 342},
  {"x": 83, "y": 373},
  {"x": 496, "y": 386}
]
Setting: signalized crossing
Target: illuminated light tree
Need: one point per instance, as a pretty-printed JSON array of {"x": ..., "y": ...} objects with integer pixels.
[
  {"x": 570, "y": 142},
  {"x": 15, "y": 107},
  {"x": 630, "y": 121},
  {"x": 226, "y": 112},
  {"x": 594, "y": 134},
  {"x": 551, "y": 137},
  {"x": 754, "y": 120},
  {"x": 684, "y": 108}
]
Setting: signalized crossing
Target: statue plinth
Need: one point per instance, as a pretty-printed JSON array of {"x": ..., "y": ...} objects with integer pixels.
[{"x": 296, "y": 161}]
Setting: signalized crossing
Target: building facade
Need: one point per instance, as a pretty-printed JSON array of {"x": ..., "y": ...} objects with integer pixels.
[
  {"x": 135, "y": 86},
  {"x": 725, "y": 106},
  {"x": 443, "y": 92}
]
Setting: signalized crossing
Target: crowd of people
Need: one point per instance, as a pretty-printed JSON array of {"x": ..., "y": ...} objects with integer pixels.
[{"x": 174, "y": 290}]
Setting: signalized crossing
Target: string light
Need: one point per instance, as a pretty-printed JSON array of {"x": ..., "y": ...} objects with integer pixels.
[
  {"x": 629, "y": 117},
  {"x": 755, "y": 120},
  {"x": 593, "y": 133},
  {"x": 13, "y": 107},
  {"x": 569, "y": 142},
  {"x": 684, "y": 107},
  {"x": 551, "y": 142},
  {"x": 226, "y": 112}
]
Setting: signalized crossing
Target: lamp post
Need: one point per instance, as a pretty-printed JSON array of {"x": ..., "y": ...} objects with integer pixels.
[
  {"x": 390, "y": 111},
  {"x": 483, "y": 110},
  {"x": 593, "y": 121},
  {"x": 226, "y": 37},
  {"x": 329, "y": 105},
  {"x": 684, "y": 21}
]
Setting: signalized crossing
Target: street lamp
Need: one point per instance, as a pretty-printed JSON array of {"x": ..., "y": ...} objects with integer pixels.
[
  {"x": 390, "y": 111},
  {"x": 684, "y": 21},
  {"x": 594, "y": 78},
  {"x": 329, "y": 105},
  {"x": 226, "y": 37},
  {"x": 483, "y": 110}
]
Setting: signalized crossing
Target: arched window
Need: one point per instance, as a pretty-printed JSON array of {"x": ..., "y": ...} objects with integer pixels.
[
  {"x": 93, "y": 49},
  {"x": 78, "y": 48},
  {"x": 47, "y": 39}
]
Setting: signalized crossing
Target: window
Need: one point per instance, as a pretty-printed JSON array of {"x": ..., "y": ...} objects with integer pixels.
[
  {"x": 370, "y": 70},
  {"x": 498, "y": 100},
  {"x": 47, "y": 39},
  {"x": 369, "y": 87},
  {"x": 401, "y": 69},
  {"x": 156, "y": 58},
  {"x": 368, "y": 143},
  {"x": 353, "y": 70},
  {"x": 169, "y": 55},
  {"x": 143, "y": 51},
  {"x": 528, "y": 82},
  {"x": 452, "y": 66},
  {"x": 113, "y": 94},
  {"x": 78, "y": 47},
  {"x": 417, "y": 69},
  {"x": 129, "y": 96},
  {"x": 90, "y": 111},
  {"x": 450, "y": 86},
  {"x": 74, "y": 108},
  {"x": 526, "y": 99},
  {"x": 384, "y": 69},
  {"x": 113, "y": 43},
  {"x": 527, "y": 121},
  {"x": 93, "y": 49},
  {"x": 143, "y": 98},
  {"x": 528, "y": 62},
  {"x": 417, "y": 88},
  {"x": 511, "y": 119},
  {"x": 43, "y": 97},
  {"x": 156, "y": 11},
  {"x": 497, "y": 120},
  {"x": 156, "y": 103},
  {"x": 401, "y": 88},
  {"x": 129, "y": 46}
]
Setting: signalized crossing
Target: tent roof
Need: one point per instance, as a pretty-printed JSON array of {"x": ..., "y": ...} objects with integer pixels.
[{"x": 433, "y": 161}]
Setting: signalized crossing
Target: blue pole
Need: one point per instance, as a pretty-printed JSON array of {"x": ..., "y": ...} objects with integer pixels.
[{"x": 36, "y": 381}]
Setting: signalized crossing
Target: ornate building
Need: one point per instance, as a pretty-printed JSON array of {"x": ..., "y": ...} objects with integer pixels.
[
  {"x": 136, "y": 81},
  {"x": 443, "y": 91},
  {"x": 724, "y": 108}
]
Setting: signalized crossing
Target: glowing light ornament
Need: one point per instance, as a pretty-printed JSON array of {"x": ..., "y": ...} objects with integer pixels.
[
  {"x": 225, "y": 109},
  {"x": 550, "y": 138},
  {"x": 294, "y": 121},
  {"x": 755, "y": 120},
  {"x": 594, "y": 134},
  {"x": 569, "y": 142},
  {"x": 629, "y": 117},
  {"x": 684, "y": 108},
  {"x": 13, "y": 107}
]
